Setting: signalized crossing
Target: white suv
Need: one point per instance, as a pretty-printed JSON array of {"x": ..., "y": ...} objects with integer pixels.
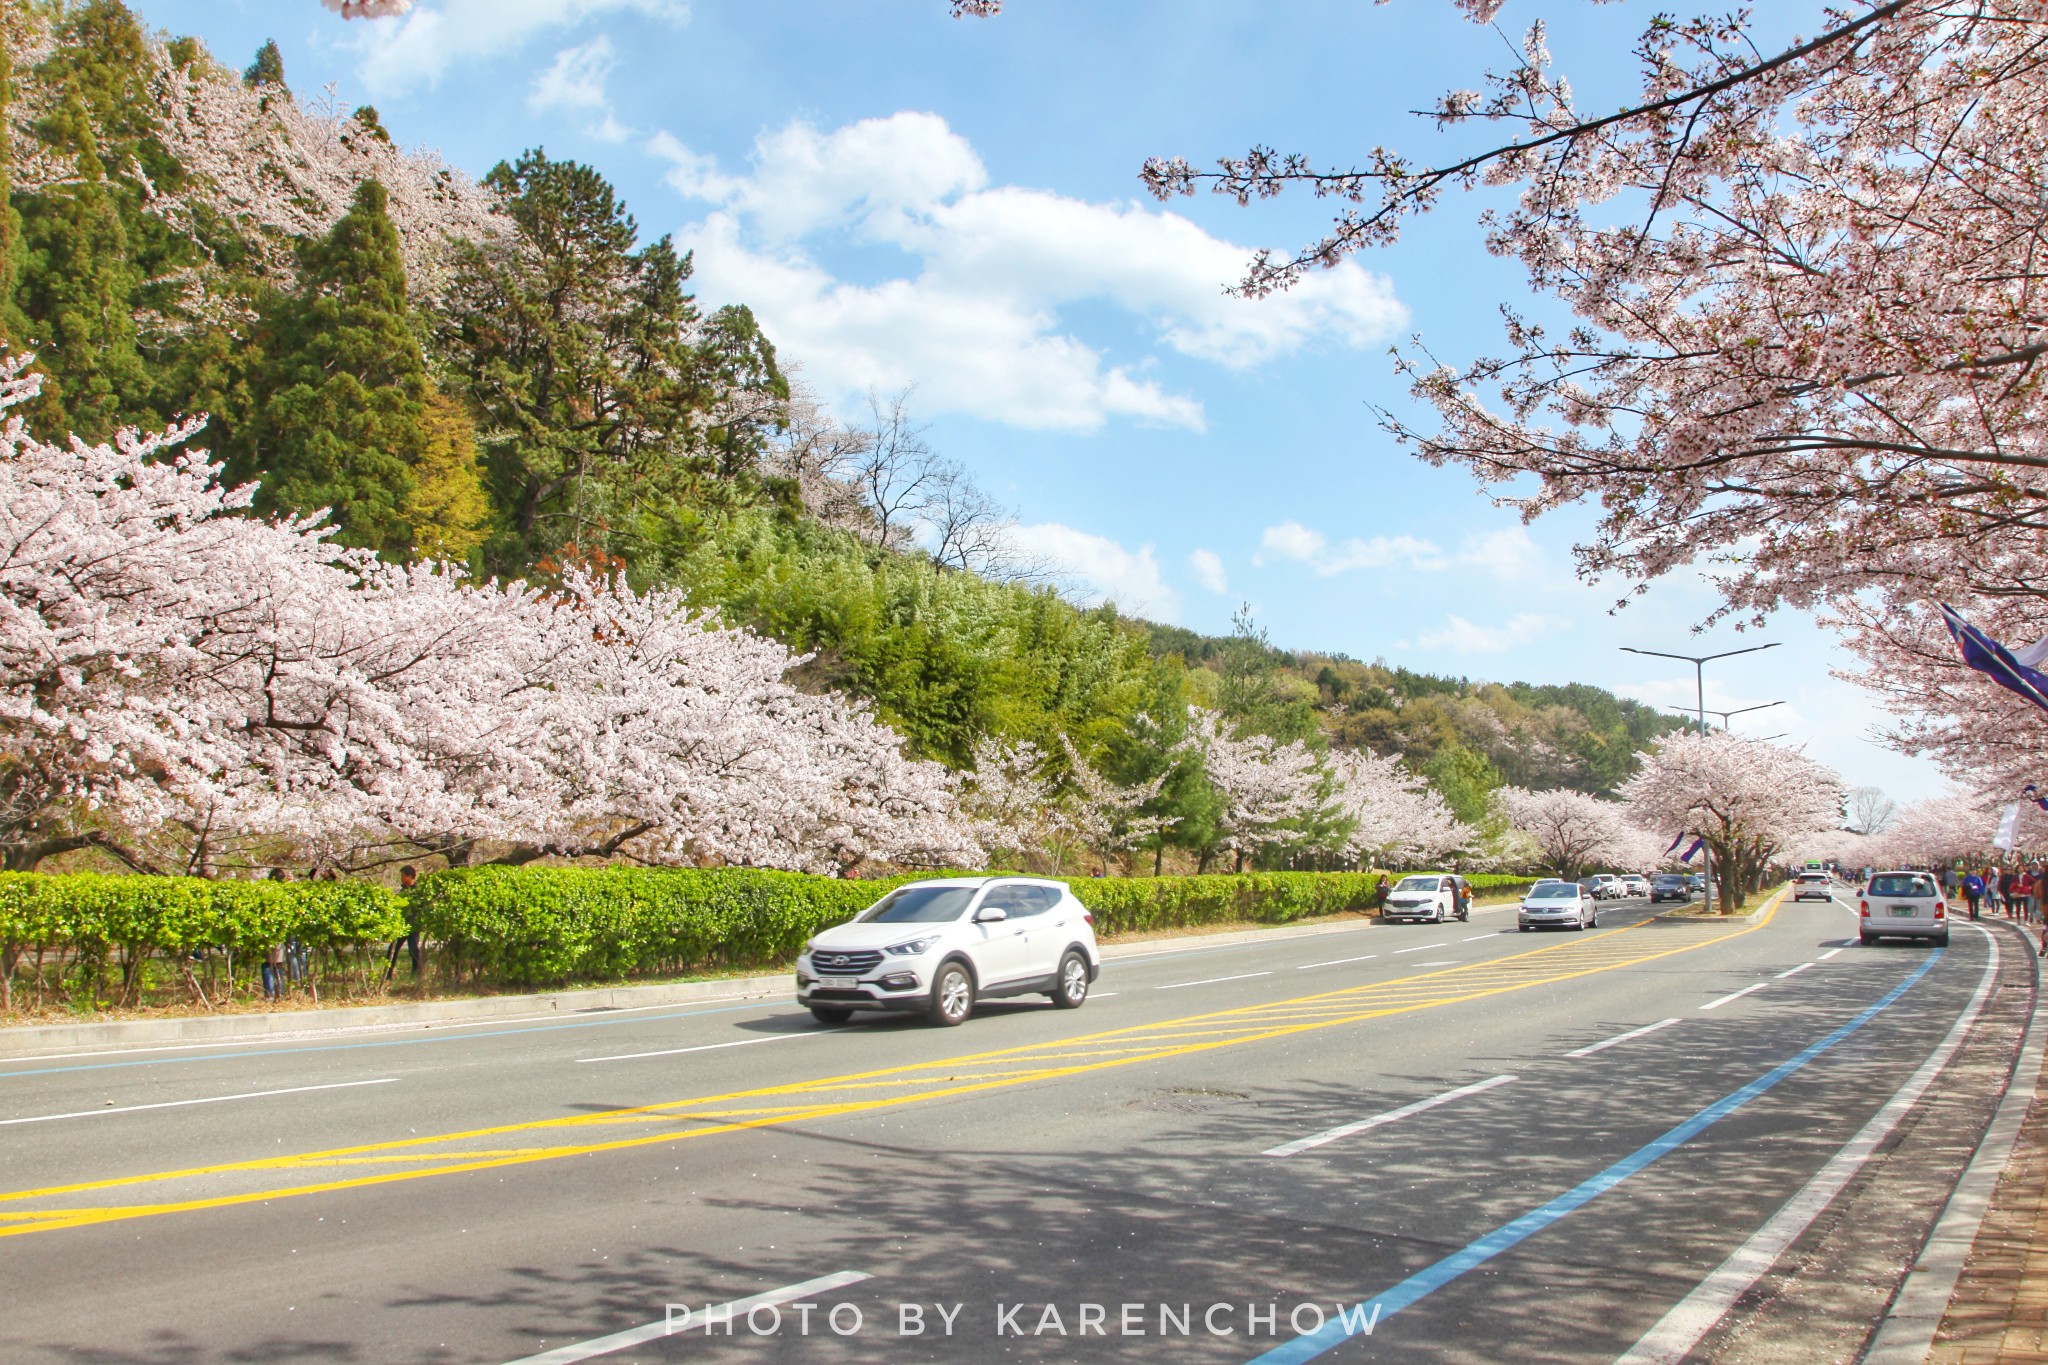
[{"x": 935, "y": 947}]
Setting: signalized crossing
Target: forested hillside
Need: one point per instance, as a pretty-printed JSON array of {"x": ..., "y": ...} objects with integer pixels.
[{"x": 511, "y": 374}]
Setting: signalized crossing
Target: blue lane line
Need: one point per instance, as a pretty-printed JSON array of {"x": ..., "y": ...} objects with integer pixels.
[
  {"x": 1423, "y": 1283},
  {"x": 390, "y": 1042}
]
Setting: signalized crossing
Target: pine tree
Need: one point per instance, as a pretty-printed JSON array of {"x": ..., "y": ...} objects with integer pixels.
[
  {"x": 345, "y": 410},
  {"x": 449, "y": 511},
  {"x": 268, "y": 68},
  {"x": 13, "y": 326}
]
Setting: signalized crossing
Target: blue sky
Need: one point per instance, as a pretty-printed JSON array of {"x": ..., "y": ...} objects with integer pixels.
[{"x": 909, "y": 200}]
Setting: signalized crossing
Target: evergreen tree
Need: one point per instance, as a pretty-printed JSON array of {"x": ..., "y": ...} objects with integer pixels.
[
  {"x": 268, "y": 68},
  {"x": 449, "y": 512},
  {"x": 13, "y": 326},
  {"x": 590, "y": 366},
  {"x": 346, "y": 401}
]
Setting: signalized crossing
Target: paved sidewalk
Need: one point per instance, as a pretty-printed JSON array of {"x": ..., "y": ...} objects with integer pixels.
[{"x": 1999, "y": 1311}]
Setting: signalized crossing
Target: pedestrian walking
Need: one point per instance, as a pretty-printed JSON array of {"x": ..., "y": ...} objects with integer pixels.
[
  {"x": 2023, "y": 894},
  {"x": 1973, "y": 892},
  {"x": 2007, "y": 881},
  {"x": 408, "y": 877}
]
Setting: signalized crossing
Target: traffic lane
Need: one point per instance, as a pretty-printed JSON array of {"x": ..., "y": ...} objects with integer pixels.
[
  {"x": 294, "y": 1093},
  {"x": 950, "y": 1128},
  {"x": 202, "y": 1135}
]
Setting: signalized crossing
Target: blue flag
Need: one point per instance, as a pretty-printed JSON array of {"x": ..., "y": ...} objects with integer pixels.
[
  {"x": 2033, "y": 794},
  {"x": 1694, "y": 851},
  {"x": 2016, "y": 673},
  {"x": 1675, "y": 843}
]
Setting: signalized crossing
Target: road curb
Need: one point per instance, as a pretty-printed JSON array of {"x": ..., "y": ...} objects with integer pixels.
[
  {"x": 1777, "y": 899},
  {"x": 31, "y": 1040},
  {"x": 1907, "y": 1333}
]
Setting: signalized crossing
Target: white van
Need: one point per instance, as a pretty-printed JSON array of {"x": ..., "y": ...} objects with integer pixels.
[{"x": 1903, "y": 905}]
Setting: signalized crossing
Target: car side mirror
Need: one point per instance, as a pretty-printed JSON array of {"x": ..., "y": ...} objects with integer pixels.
[{"x": 991, "y": 914}]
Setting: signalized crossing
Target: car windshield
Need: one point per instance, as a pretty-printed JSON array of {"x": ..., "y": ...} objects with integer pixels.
[
  {"x": 1900, "y": 884},
  {"x": 1670, "y": 879},
  {"x": 1555, "y": 891},
  {"x": 1420, "y": 884},
  {"x": 920, "y": 905},
  {"x": 1813, "y": 876}
]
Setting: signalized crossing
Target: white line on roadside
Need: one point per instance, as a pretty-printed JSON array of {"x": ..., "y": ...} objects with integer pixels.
[
  {"x": 733, "y": 1312},
  {"x": 1346, "y": 1130},
  {"x": 1828, "y": 954},
  {"x": 1606, "y": 1043},
  {"x": 1418, "y": 948},
  {"x": 1102, "y": 995},
  {"x": 1449, "y": 962},
  {"x": 1475, "y": 938},
  {"x": 1210, "y": 981},
  {"x": 210, "y": 1099},
  {"x": 701, "y": 1047},
  {"x": 1734, "y": 995},
  {"x": 1681, "y": 1329},
  {"x": 1794, "y": 971},
  {"x": 1336, "y": 961}
]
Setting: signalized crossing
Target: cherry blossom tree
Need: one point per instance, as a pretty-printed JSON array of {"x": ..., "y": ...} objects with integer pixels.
[
  {"x": 1957, "y": 824},
  {"x": 1105, "y": 816},
  {"x": 1389, "y": 817},
  {"x": 1268, "y": 788},
  {"x": 1748, "y": 799},
  {"x": 1011, "y": 800},
  {"x": 174, "y": 670},
  {"x": 1574, "y": 830},
  {"x": 368, "y": 9}
]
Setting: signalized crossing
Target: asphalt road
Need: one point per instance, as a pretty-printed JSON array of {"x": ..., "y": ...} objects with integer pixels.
[{"x": 1445, "y": 1142}]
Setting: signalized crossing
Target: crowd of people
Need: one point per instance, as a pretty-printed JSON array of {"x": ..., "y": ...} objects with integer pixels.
[{"x": 2019, "y": 892}]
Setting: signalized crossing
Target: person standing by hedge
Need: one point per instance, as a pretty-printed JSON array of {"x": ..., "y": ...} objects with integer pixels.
[
  {"x": 408, "y": 877},
  {"x": 1379, "y": 893}
]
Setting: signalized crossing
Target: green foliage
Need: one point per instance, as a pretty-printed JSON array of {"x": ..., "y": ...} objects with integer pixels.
[
  {"x": 345, "y": 392},
  {"x": 1465, "y": 780},
  {"x": 268, "y": 68},
  {"x": 590, "y": 367},
  {"x": 89, "y": 912}
]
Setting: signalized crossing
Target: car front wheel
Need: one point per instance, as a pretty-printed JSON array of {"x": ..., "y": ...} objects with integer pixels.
[
  {"x": 1073, "y": 987},
  {"x": 952, "y": 996},
  {"x": 831, "y": 1014}
]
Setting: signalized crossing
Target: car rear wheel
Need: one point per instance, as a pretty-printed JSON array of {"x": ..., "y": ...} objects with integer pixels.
[
  {"x": 1073, "y": 987},
  {"x": 1941, "y": 942},
  {"x": 1867, "y": 940},
  {"x": 952, "y": 996},
  {"x": 831, "y": 1014}
]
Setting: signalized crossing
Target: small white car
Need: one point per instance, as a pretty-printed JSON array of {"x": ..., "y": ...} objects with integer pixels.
[
  {"x": 935, "y": 947},
  {"x": 1431, "y": 897},
  {"x": 1607, "y": 886},
  {"x": 1813, "y": 885},
  {"x": 1903, "y": 905},
  {"x": 1566, "y": 905},
  {"x": 1635, "y": 888}
]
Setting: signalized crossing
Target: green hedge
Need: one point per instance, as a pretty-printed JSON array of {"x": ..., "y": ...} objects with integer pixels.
[{"x": 544, "y": 925}]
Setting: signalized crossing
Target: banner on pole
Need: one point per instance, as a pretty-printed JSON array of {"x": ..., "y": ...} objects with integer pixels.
[{"x": 2008, "y": 829}]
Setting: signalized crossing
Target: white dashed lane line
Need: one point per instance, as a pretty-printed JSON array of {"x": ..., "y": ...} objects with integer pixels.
[
  {"x": 1418, "y": 948},
  {"x": 1212, "y": 980},
  {"x": 1606, "y": 1043},
  {"x": 1346, "y": 1130},
  {"x": 1336, "y": 961},
  {"x": 1828, "y": 954},
  {"x": 1734, "y": 995},
  {"x": 1794, "y": 971}
]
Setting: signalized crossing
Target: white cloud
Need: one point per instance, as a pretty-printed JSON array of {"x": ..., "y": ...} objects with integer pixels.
[
  {"x": 576, "y": 84},
  {"x": 403, "y": 54},
  {"x": 974, "y": 319},
  {"x": 1290, "y": 540},
  {"x": 1509, "y": 554},
  {"x": 1208, "y": 570},
  {"x": 1102, "y": 570},
  {"x": 1459, "y": 636}
]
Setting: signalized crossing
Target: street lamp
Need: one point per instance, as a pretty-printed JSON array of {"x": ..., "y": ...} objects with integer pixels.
[
  {"x": 1727, "y": 716},
  {"x": 1699, "y": 664}
]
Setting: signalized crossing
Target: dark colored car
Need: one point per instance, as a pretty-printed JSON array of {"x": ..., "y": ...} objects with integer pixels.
[{"x": 1671, "y": 886}]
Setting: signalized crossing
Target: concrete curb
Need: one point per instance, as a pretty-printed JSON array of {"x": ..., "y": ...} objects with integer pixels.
[
  {"x": 31, "y": 1040},
  {"x": 1907, "y": 1333},
  {"x": 1751, "y": 918}
]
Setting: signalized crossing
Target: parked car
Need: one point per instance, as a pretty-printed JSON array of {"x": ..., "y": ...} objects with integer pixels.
[
  {"x": 1671, "y": 886},
  {"x": 1558, "y": 904},
  {"x": 936, "y": 947},
  {"x": 1432, "y": 897},
  {"x": 1813, "y": 885},
  {"x": 1903, "y": 905}
]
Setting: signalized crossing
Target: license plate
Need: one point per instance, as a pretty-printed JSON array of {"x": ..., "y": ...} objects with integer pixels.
[
  {"x": 1905, "y": 909},
  {"x": 837, "y": 979}
]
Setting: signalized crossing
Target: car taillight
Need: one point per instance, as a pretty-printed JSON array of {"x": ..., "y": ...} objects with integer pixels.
[
  {"x": 1089, "y": 917},
  {"x": 1864, "y": 909},
  {"x": 1940, "y": 910}
]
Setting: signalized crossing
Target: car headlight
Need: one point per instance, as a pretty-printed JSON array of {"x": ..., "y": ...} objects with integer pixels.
[{"x": 912, "y": 948}]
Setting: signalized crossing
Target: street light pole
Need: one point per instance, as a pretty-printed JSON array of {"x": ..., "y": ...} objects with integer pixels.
[
  {"x": 1699, "y": 664},
  {"x": 1727, "y": 717}
]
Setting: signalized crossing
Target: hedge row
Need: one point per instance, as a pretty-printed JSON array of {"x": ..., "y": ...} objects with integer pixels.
[{"x": 527, "y": 926}]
